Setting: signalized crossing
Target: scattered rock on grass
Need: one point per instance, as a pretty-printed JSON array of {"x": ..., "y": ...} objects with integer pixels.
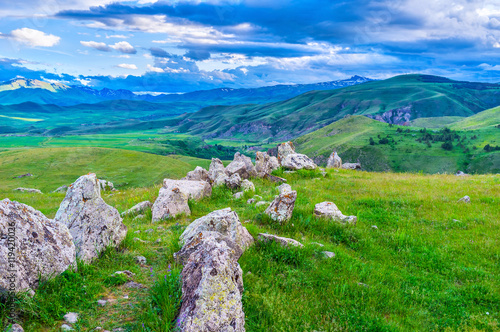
[
  {"x": 61, "y": 189},
  {"x": 238, "y": 195},
  {"x": 465, "y": 199},
  {"x": 247, "y": 185},
  {"x": 334, "y": 161},
  {"x": 199, "y": 174},
  {"x": 102, "y": 303},
  {"x": 234, "y": 181},
  {"x": 170, "y": 203},
  {"x": 139, "y": 207},
  {"x": 351, "y": 166},
  {"x": 251, "y": 201},
  {"x": 261, "y": 203},
  {"x": 285, "y": 149},
  {"x": 284, "y": 188},
  {"x": 140, "y": 259},
  {"x": 16, "y": 328},
  {"x": 71, "y": 317},
  {"x": 128, "y": 273},
  {"x": 263, "y": 237},
  {"x": 331, "y": 211},
  {"x": 216, "y": 170},
  {"x": 297, "y": 161},
  {"x": 28, "y": 190},
  {"x": 265, "y": 164},
  {"x": 241, "y": 165},
  {"x": 135, "y": 285},
  {"x": 274, "y": 178},
  {"x": 328, "y": 254},
  {"x": 281, "y": 208},
  {"x": 66, "y": 327}
]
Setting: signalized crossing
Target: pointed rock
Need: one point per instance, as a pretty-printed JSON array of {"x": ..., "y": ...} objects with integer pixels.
[
  {"x": 199, "y": 174},
  {"x": 216, "y": 169},
  {"x": 265, "y": 164},
  {"x": 241, "y": 165},
  {"x": 334, "y": 161},
  {"x": 284, "y": 149},
  {"x": 281, "y": 208},
  {"x": 234, "y": 181}
]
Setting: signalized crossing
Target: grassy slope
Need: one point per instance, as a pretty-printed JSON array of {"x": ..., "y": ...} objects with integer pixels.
[
  {"x": 432, "y": 264},
  {"x": 54, "y": 167},
  {"x": 350, "y": 137},
  {"x": 427, "y": 96}
]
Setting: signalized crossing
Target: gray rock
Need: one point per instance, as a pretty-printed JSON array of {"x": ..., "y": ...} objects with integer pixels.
[
  {"x": 199, "y": 174},
  {"x": 465, "y": 199},
  {"x": 460, "y": 173},
  {"x": 284, "y": 188},
  {"x": 66, "y": 327},
  {"x": 334, "y": 161},
  {"x": 149, "y": 230},
  {"x": 281, "y": 208},
  {"x": 285, "y": 149},
  {"x": 139, "y": 216},
  {"x": 19, "y": 177},
  {"x": 93, "y": 224},
  {"x": 137, "y": 232},
  {"x": 33, "y": 245},
  {"x": 241, "y": 165},
  {"x": 318, "y": 244},
  {"x": 351, "y": 166},
  {"x": 170, "y": 203},
  {"x": 374, "y": 227},
  {"x": 106, "y": 185},
  {"x": 61, "y": 189},
  {"x": 238, "y": 195},
  {"x": 127, "y": 273},
  {"x": 220, "y": 180},
  {"x": 16, "y": 328},
  {"x": 265, "y": 164},
  {"x": 234, "y": 181},
  {"x": 225, "y": 222},
  {"x": 295, "y": 161},
  {"x": 331, "y": 211},
  {"x": 261, "y": 203},
  {"x": 102, "y": 303},
  {"x": 140, "y": 259},
  {"x": 212, "y": 285},
  {"x": 273, "y": 178},
  {"x": 138, "y": 208},
  {"x": 28, "y": 190},
  {"x": 136, "y": 239},
  {"x": 263, "y": 237},
  {"x": 194, "y": 189},
  {"x": 251, "y": 201},
  {"x": 247, "y": 185},
  {"x": 71, "y": 317},
  {"x": 216, "y": 169},
  {"x": 328, "y": 254},
  {"x": 158, "y": 240},
  {"x": 135, "y": 285}
]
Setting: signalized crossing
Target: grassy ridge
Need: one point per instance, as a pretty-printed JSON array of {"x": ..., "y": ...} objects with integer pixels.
[{"x": 432, "y": 263}]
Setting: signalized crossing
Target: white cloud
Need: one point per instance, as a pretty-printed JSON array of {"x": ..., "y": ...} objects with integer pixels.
[
  {"x": 96, "y": 45},
  {"x": 124, "y": 47},
  {"x": 127, "y": 66},
  {"x": 117, "y": 36},
  {"x": 155, "y": 69},
  {"x": 34, "y": 38}
]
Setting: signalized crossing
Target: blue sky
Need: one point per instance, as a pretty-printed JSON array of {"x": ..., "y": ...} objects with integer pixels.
[{"x": 180, "y": 46}]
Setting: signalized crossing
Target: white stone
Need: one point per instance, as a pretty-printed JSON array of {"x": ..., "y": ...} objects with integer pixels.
[
  {"x": 170, "y": 203},
  {"x": 295, "y": 161},
  {"x": 71, "y": 317},
  {"x": 331, "y": 211},
  {"x": 264, "y": 237},
  {"x": 334, "y": 161},
  {"x": 247, "y": 185},
  {"x": 138, "y": 208}
]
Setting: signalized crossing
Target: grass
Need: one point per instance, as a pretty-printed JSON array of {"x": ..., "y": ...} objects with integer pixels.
[{"x": 431, "y": 264}]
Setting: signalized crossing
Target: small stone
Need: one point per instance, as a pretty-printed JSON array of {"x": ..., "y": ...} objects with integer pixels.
[
  {"x": 102, "y": 303},
  {"x": 328, "y": 254},
  {"x": 238, "y": 195},
  {"x": 263, "y": 237},
  {"x": 318, "y": 244},
  {"x": 71, "y": 317},
  {"x": 66, "y": 327},
  {"x": 158, "y": 241},
  {"x": 249, "y": 273},
  {"x": 126, "y": 272},
  {"x": 251, "y": 201},
  {"x": 257, "y": 197},
  {"x": 98, "y": 328},
  {"x": 362, "y": 284},
  {"x": 139, "y": 240},
  {"x": 140, "y": 259},
  {"x": 149, "y": 231},
  {"x": 247, "y": 185},
  {"x": 289, "y": 172},
  {"x": 16, "y": 328},
  {"x": 374, "y": 227},
  {"x": 261, "y": 203},
  {"x": 465, "y": 199},
  {"x": 133, "y": 284},
  {"x": 284, "y": 188},
  {"x": 140, "y": 216},
  {"x": 137, "y": 232},
  {"x": 125, "y": 296}
]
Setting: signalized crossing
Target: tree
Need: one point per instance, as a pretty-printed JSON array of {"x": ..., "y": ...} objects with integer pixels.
[
  {"x": 447, "y": 145},
  {"x": 372, "y": 142}
]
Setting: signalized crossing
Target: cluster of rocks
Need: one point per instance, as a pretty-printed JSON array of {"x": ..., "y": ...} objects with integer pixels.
[
  {"x": 212, "y": 281},
  {"x": 334, "y": 161},
  {"x": 83, "y": 227}
]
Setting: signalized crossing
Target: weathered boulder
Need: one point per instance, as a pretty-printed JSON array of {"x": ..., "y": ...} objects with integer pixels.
[
  {"x": 32, "y": 245},
  {"x": 171, "y": 202},
  {"x": 241, "y": 165},
  {"x": 264, "y": 237},
  {"x": 284, "y": 149},
  {"x": 93, "y": 224},
  {"x": 281, "y": 208},
  {"x": 465, "y": 199},
  {"x": 331, "y": 211},
  {"x": 199, "y": 174},
  {"x": 273, "y": 178},
  {"x": 234, "y": 181},
  {"x": 224, "y": 221},
  {"x": 351, "y": 166},
  {"x": 16, "y": 328},
  {"x": 265, "y": 164},
  {"x": 334, "y": 161},
  {"x": 28, "y": 190},
  {"x": 284, "y": 188},
  {"x": 247, "y": 185},
  {"x": 238, "y": 195},
  {"x": 212, "y": 285},
  {"x": 215, "y": 170},
  {"x": 106, "y": 185},
  {"x": 194, "y": 189},
  {"x": 61, "y": 189},
  {"x": 138, "y": 208},
  {"x": 220, "y": 180},
  {"x": 460, "y": 173},
  {"x": 295, "y": 161}
]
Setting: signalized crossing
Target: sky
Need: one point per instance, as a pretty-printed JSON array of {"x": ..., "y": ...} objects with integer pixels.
[{"x": 181, "y": 46}]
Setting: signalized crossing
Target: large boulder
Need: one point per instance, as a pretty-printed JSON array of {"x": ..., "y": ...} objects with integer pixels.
[
  {"x": 284, "y": 241},
  {"x": 194, "y": 189},
  {"x": 331, "y": 211},
  {"x": 212, "y": 285},
  {"x": 241, "y": 165},
  {"x": 351, "y": 166},
  {"x": 215, "y": 170},
  {"x": 221, "y": 180},
  {"x": 199, "y": 174},
  {"x": 281, "y": 208},
  {"x": 284, "y": 149},
  {"x": 93, "y": 224},
  {"x": 138, "y": 208},
  {"x": 295, "y": 161},
  {"x": 334, "y": 161},
  {"x": 265, "y": 164},
  {"x": 171, "y": 202},
  {"x": 234, "y": 181},
  {"x": 31, "y": 245},
  {"x": 224, "y": 221}
]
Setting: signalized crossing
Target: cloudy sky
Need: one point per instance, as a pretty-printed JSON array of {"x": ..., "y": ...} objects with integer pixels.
[{"x": 180, "y": 46}]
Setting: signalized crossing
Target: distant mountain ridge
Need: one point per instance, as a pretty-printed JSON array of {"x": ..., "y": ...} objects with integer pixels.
[{"x": 21, "y": 90}]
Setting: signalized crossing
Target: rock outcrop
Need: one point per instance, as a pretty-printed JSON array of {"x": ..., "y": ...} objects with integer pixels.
[
  {"x": 171, "y": 202},
  {"x": 334, "y": 161},
  {"x": 138, "y": 208},
  {"x": 32, "y": 245},
  {"x": 351, "y": 166},
  {"x": 331, "y": 211},
  {"x": 93, "y": 224},
  {"x": 284, "y": 149},
  {"x": 216, "y": 171},
  {"x": 264, "y": 237},
  {"x": 281, "y": 208},
  {"x": 241, "y": 165},
  {"x": 225, "y": 222},
  {"x": 194, "y": 189},
  {"x": 295, "y": 161},
  {"x": 234, "y": 181},
  {"x": 198, "y": 174},
  {"x": 265, "y": 164}
]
